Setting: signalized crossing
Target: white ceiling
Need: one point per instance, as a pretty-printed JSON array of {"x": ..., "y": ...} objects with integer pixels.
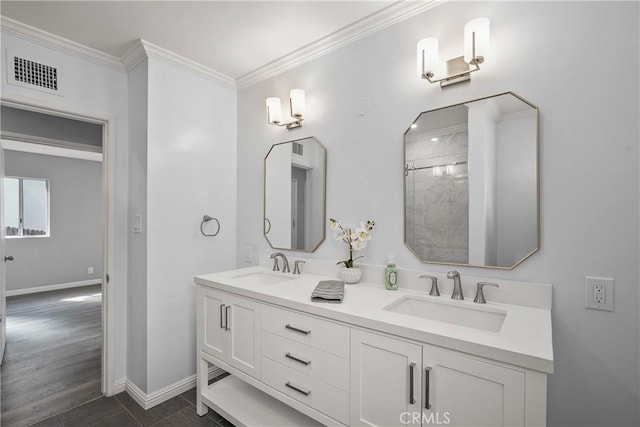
[{"x": 231, "y": 37}]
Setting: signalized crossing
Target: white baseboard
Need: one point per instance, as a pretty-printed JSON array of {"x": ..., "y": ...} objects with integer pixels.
[
  {"x": 119, "y": 386},
  {"x": 148, "y": 401},
  {"x": 52, "y": 287}
]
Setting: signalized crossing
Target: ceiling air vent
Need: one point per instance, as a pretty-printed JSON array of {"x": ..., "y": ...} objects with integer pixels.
[
  {"x": 32, "y": 73},
  {"x": 27, "y": 73},
  {"x": 298, "y": 149}
]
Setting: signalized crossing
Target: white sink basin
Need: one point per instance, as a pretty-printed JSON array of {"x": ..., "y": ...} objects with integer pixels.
[
  {"x": 261, "y": 278},
  {"x": 484, "y": 318}
]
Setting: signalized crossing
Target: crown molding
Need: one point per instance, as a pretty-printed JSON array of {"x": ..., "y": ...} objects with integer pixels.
[
  {"x": 377, "y": 21},
  {"x": 142, "y": 47},
  {"x": 60, "y": 44},
  {"x": 392, "y": 14},
  {"x": 138, "y": 51},
  {"x": 133, "y": 56}
]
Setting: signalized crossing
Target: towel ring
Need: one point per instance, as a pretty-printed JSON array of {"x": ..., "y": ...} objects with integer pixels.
[
  {"x": 208, "y": 218},
  {"x": 267, "y": 222}
]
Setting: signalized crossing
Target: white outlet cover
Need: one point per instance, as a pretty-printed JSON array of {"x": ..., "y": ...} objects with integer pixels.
[
  {"x": 589, "y": 293},
  {"x": 248, "y": 254}
]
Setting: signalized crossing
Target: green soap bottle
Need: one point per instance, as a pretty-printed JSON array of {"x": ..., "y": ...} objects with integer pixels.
[{"x": 391, "y": 274}]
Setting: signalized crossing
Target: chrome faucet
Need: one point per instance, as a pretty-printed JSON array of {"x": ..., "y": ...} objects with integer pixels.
[
  {"x": 296, "y": 268},
  {"x": 457, "y": 286},
  {"x": 285, "y": 262},
  {"x": 480, "y": 294},
  {"x": 434, "y": 285}
]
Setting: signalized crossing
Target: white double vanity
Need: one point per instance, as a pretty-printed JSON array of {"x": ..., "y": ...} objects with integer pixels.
[{"x": 381, "y": 358}]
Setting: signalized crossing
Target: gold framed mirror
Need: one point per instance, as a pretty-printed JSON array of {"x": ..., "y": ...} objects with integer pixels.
[
  {"x": 295, "y": 180},
  {"x": 471, "y": 183}
]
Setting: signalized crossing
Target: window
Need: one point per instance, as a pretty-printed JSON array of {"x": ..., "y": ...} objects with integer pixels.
[{"x": 26, "y": 207}]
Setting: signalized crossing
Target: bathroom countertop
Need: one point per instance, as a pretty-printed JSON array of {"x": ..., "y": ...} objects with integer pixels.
[{"x": 524, "y": 340}]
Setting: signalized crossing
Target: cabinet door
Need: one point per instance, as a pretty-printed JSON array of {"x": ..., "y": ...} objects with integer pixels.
[
  {"x": 381, "y": 392},
  {"x": 468, "y": 392},
  {"x": 243, "y": 335},
  {"x": 211, "y": 324}
]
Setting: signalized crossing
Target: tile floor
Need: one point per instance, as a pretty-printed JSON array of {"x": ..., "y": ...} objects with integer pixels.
[{"x": 122, "y": 411}]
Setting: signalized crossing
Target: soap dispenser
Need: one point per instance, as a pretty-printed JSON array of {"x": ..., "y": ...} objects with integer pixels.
[{"x": 391, "y": 274}]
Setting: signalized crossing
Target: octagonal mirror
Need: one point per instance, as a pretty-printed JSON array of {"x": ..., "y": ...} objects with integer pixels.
[
  {"x": 294, "y": 194},
  {"x": 471, "y": 183}
]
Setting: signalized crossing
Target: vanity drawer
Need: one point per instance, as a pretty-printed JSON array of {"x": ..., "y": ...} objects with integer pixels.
[
  {"x": 323, "y": 366},
  {"x": 326, "y": 336},
  {"x": 316, "y": 394}
]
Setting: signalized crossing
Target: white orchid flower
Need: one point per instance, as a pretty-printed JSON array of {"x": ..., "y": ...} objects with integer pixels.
[{"x": 363, "y": 234}]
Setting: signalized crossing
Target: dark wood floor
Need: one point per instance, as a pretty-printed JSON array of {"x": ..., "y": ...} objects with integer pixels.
[
  {"x": 122, "y": 411},
  {"x": 51, "y": 369},
  {"x": 52, "y": 360}
]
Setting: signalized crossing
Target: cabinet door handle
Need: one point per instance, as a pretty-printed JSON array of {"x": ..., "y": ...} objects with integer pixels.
[
  {"x": 298, "y": 389},
  {"x": 297, "y": 359},
  {"x": 222, "y": 326},
  {"x": 412, "y": 398},
  {"x": 226, "y": 318},
  {"x": 302, "y": 331},
  {"x": 427, "y": 404}
]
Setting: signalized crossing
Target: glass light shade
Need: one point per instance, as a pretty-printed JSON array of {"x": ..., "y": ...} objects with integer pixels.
[
  {"x": 479, "y": 26},
  {"x": 427, "y": 55},
  {"x": 298, "y": 102},
  {"x": 274, "y": 110}
]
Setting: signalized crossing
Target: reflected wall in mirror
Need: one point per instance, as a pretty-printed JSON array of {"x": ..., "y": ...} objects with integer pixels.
[
  {"x": 295, "y": 174},
  {"x": 471, "y": 183}
]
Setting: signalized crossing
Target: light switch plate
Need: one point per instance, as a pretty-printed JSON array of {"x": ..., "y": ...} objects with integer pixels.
[
  {"x": 598, "y": 293},
  {"x": 137, "y": 224}
]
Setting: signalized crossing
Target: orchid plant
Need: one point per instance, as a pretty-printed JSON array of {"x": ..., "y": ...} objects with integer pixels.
[{"x": 356, "y": 240}]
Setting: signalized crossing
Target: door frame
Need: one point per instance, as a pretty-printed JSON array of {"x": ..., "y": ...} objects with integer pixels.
[{"x": 108, "y": 124}]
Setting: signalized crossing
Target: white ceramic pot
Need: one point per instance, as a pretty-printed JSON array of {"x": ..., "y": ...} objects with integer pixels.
[{"x": 351, "y": 275}]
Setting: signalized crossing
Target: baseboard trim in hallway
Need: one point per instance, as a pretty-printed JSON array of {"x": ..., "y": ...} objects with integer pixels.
[{"x": 48, "y": 288}]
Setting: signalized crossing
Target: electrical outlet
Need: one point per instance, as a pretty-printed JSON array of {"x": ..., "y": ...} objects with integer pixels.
[
  {"x": 90, "y": 270},
  {"x": 598, "y": 293},
  {"x": 248, "y": 254}
]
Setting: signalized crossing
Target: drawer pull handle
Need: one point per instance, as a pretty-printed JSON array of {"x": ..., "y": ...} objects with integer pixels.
[
  {"x": 302, "y": 331},
  {"x": 297, "y": 359},
  {"x": 222, "y": 306},
  {"x": 427, "y": 404},
  {"x": 226, "y": 318},
  {"x": 298, "y": 389},
  {"x": 412, "y": 398}
]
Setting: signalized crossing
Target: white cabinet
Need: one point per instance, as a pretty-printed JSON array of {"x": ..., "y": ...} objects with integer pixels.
[
  {"x": 307, "y": 359},
  {"x": 394, "y": 382},
  {"x": 385, "y": 379},
  {"x": 304, "y": 369},
  {"x": 229, "y": 329},
  {"x": 471, "y": 392}
]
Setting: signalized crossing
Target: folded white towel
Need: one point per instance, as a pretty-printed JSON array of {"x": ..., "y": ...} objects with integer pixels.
[{"x": 328, "y": 291}]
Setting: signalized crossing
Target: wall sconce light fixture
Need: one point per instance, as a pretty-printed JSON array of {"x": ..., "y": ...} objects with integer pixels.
[
  {"x": 476, "y": 46},
  {"x": 297, "y": 106}
]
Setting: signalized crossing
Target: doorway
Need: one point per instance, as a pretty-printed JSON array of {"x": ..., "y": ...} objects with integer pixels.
[{"x": 77, "y": 295}]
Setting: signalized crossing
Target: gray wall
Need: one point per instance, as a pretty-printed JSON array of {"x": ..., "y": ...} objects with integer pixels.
[
  {"x": 589, "y": 136},
  {"x": 76, "y": 219},
  {"x": 43, "y": 125},
  {"x": 137, "y": 249}
]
